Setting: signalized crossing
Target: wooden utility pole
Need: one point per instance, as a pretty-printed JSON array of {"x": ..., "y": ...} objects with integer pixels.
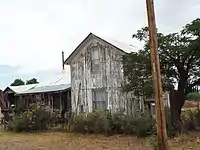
[{"x": 158, "y": 92}]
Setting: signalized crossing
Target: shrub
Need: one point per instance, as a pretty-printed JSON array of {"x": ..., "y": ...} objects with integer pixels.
[
  {"x": 35, "y": 119},
  {"x": 128, "y": 124},
  {"x": 193, "y": 96},
  {"x": 55, "y": 117},
  {"x": 79, "y": 124},
  {"x": 191, "y": 119},
  {"x": 19, "y": 124},
  {"x": 96, "y": 122},
  {"x": 118, "y": 123},
  {"x": 144, "y": 126},
  {"x": 188, "y": 119},
  {"x": 197, "y": 118},
  {"x": 58, "y": 128}
]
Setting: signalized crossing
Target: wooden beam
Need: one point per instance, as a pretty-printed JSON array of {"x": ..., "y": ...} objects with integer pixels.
[
  {"x": 61, "y": 106},
  {"x": 158, "y": 92},
  {"x": 67, "y": 103},
  {"x": 2, "y": 101}
]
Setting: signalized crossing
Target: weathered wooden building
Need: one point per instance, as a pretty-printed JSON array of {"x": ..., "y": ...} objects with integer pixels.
[
  {"x": 97, "y": 75},
  {"x": 55, "y": 93},
  {"x": 55, "y": 96},
  {"x": 9, "y": 94}
]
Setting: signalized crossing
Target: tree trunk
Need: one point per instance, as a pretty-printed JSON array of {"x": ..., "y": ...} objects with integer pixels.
[
  {"x": 197, "y": 105},
  {"x": 176, "y": 103}
]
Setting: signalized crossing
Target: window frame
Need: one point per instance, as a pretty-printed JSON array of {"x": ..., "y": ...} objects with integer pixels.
[
  {"x": 95, "y": 60},
  {"x": 95, "y": 100}
]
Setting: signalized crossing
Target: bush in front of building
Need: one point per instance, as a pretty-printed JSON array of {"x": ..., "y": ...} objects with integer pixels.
[
  {"x": 96, "y": 122},
  {"x": 35, "y": 119},
  {"x": 141, "y": 126},
  {"x": 103, "y": 122}
]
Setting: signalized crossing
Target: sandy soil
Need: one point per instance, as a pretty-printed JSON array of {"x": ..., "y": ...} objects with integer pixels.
[{"x": 67, "y": 141}]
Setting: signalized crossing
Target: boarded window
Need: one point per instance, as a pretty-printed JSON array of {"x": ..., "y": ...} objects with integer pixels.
[
  {"x": 95, "y": 60},
  {"x": 99, "y": 98}
]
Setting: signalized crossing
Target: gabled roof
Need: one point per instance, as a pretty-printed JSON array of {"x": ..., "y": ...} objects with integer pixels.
[
  {"x": 21, "y": 88},
  {"x": 125, "y": 48}
]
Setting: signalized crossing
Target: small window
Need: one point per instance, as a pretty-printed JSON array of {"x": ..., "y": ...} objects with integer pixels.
[
  {"x": 95, "y": 54},
  {"x": 99, "y": 100},
  {"x": 95, "y": 60}
]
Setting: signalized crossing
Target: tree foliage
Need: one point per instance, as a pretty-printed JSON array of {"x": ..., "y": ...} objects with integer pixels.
[
  {"x": 137, "y": 70},
  {"x": 32, "y": 81},
  {"x": 18, "y": 82},
  {"x": 179, "y": 60},
  {"x": 194, "y": 96}
]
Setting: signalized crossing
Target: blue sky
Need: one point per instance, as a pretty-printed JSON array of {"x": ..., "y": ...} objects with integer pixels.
[{"x": 34, "y": 32}]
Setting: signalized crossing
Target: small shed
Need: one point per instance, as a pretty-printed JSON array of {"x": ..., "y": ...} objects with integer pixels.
[
  {"x": 55, "y": 93},
  {"x": 56, "y": 96},
  {"x": 10, "y": 92}
]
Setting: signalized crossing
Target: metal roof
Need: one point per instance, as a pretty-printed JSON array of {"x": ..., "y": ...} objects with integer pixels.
[
  {"x": 45, "y": 89},
  {"x": 123, "y": 46},
  {"x": 59, "y": 83},
  {"x": 126, "y": 48},
  {"x": 21, "y": 88},
  {"x": 61, "y": 78}
]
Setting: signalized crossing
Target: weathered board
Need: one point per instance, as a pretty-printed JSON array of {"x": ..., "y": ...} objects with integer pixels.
[{"x": 109, "y": 77}]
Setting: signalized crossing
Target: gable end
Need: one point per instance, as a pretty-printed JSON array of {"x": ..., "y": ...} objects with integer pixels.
[{"x": 89, "y": 37}]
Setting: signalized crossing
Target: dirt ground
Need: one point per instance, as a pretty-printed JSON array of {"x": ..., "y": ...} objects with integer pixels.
[{"x": 68, "y": 141}]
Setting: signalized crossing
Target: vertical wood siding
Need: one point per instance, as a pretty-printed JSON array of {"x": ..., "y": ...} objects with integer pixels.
[{"x": 109, "y": 77}]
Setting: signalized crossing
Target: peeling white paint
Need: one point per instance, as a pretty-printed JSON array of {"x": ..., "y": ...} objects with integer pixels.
[{"x": 109, "y": 76}]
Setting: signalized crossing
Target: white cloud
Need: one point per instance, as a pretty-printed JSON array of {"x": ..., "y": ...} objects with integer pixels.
[{"x": 34, "y": 32}]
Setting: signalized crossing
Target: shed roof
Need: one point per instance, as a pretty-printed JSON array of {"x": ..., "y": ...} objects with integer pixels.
[
  {"x": 59, "y": 83},
  {"x": 45, "y": 89},
  {"x": 126, "y": 48},
  {"x": 21, "y": 88},
  {"x": 61, "y": 78}
]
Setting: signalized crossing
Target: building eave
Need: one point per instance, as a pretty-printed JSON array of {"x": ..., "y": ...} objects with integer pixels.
[{"x": 73, "y": 54}]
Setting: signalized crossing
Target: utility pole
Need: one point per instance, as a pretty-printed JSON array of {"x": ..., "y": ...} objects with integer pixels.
[{"x": 158, "y": 92}]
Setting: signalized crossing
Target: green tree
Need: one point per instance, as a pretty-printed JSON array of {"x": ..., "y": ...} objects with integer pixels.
[
  {"x": 180, "y": 65},
  {"x": 32, "y": 81},
  {"x": 18, "y": 82},
  {"x": 194, "y": 96}
]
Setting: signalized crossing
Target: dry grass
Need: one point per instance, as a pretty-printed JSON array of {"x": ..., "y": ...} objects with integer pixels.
[
  {"x": 68, "y": 141},
  {"x": 63, "y": 141}
]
